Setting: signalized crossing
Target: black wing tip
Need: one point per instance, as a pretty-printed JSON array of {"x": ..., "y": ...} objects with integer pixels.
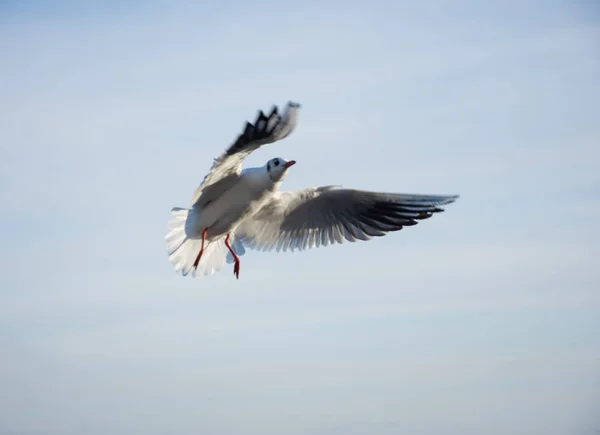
[
  {"x": 433, "y": 201},
  {"x": 275, "y": 109},
  {"x": 389, "y": 216},
  {"x": 261, "y": 129}
]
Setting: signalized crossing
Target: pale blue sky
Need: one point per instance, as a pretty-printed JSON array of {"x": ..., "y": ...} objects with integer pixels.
[{"x": 484, "y": 319}]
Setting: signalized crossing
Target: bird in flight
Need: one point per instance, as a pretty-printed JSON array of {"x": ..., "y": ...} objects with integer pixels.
[{"x": 235, "y": 208}]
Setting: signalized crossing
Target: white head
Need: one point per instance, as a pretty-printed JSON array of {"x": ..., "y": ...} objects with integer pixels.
[{"x": 277, "y": 168}]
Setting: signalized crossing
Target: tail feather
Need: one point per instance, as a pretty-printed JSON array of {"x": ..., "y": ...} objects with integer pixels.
[{"x": 184, "y": 243}]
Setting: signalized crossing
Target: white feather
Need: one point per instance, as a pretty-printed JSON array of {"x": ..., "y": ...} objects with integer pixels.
[{"x": 184, "y": 244}]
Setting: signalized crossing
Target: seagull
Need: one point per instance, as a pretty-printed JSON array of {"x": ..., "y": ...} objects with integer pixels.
[{"x": 235, "y": 208}]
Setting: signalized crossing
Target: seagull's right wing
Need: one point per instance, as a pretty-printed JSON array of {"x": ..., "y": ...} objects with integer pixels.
[
  {"x": 326, "y": 215},
  {"x": 265, "y": 130}
]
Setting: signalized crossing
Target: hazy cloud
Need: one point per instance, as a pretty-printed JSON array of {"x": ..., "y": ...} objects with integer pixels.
[{"x": 481, "y": 319}]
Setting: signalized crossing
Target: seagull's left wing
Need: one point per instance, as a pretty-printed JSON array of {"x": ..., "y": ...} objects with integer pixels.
[
  {"x": 265, "y": 130},
  {"x": 326, "y": 215}
]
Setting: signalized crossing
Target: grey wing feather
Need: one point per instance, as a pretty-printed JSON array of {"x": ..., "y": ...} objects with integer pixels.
[
  {"x": 265, "y": 130},
  {"x": 328, "y": 215}
]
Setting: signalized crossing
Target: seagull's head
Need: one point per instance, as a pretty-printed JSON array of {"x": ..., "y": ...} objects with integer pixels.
[{"x": 277, "y": 168}]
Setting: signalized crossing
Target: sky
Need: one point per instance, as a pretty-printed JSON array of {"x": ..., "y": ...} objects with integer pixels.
[{"x": 482, "y": 319}]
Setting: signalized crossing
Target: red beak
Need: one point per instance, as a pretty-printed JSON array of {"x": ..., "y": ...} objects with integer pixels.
[{"x": 290, "y": 163}]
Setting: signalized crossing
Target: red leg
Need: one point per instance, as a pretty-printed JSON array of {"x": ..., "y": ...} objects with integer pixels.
[
  {"x": 201, "y": 249},
  {"x": 236, "y": 268}
]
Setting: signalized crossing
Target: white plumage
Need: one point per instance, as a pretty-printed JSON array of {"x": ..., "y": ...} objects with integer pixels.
[{"x": 238, "y": 207}]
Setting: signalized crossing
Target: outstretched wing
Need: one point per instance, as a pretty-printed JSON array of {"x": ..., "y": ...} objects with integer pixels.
[
  {"x": 265, "y": 130},
  {"x": 326, "y": 215}
]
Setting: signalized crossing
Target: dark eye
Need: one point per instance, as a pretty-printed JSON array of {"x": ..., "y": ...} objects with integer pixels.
[{"x": 276, "y": 162}]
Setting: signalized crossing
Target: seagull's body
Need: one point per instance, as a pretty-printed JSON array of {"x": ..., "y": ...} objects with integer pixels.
[
  {"x": 234, "y": 207},
  {"x": 245, "y": 196}
]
